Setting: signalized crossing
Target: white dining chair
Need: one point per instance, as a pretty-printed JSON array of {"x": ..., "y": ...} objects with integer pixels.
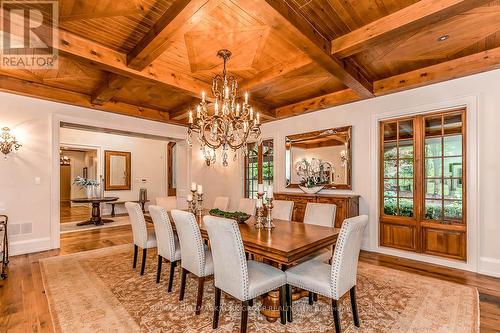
[
  {"x": 233, "y": 274},
  {"x": 196, "y": 258},
  {"x": 320, "y": 214},
  {"x": 168, "y": 203},
  {"x": 143, "y": 237},
  {"x": 282, "y": 210},
  {"x": 247, "y": 205},
  {"x": 334, "y": 280},
  {"x": 168, "y": 246},
  {"x": 221, "y": 203}
]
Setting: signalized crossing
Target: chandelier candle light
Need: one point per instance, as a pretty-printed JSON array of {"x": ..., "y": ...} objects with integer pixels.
[{"x": 229, "y": 122}]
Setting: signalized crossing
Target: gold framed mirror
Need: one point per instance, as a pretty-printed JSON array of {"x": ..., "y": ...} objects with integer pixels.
[
  {"x": 328, "y": 152},
  {"x": 117, "y": 170}
]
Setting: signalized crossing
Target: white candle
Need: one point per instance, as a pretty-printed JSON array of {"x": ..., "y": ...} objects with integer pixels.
[
  {"x": 270, "y": 192},
  {"x": 260, "y": 189},
  {"x": 251, "y": 113},
  {"x": 259, "y": 203},
  {"x": 226, "y": 92},
  {"x": 237, "y": 110},
  {"x": 203, "y": 96},
  {"x": 200, "y": 189},
  {"x": 198, "y": 111},
  {"x": 193, "y": 186},
  {"x": 258, "y": 118},
  {"x": 190, "y": 117},
  {"x": 246, "y": 97},
  {"x": 216, "y": 108},
  {"x": 189, "y": 198}
]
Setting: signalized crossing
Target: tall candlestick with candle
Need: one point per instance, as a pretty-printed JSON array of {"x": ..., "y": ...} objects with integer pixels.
[{"x": 269, "y": 220}]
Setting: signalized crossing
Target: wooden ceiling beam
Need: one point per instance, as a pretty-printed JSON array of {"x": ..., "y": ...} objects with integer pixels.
[
  {"x": 107, "y": 59},
  {"x": 38, "y": 90},
  {"x": 472, "y": 64},
  {"x": 317, "y": 103},
  {"x": 181, "y": 16},
  {"x": 109, "y": 88},
  {"x": 295, "y": 29},
  {"x": 417, "y": 15},
  {"x": 263, "y": 78}
]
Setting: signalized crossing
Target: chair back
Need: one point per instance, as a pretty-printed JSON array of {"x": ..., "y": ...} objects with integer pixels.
[
  {"x": 165, "y": 239},
  {"x": 230, "y": 264},
  {"x": 320, "y": 214},
  {"x": 247, "y": 206},
  {"x": 346, "y": 254},
  {"x": 222, "y": 203},
  {"x": 168, "y": 203},
  {"x": 192, "y": 250},
  {"x": 282, "y": 210},
  {"x": 139, "y": 230}
]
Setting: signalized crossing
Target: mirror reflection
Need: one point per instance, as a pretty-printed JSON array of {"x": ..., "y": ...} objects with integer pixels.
[
  {"x": 117, "y": 166},
  {"x": 319, "y": 158}
]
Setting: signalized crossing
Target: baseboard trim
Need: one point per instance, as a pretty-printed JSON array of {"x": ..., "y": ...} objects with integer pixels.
[
  {"x": 489, "y": 266},
  {"x": 29, "y": 246}
]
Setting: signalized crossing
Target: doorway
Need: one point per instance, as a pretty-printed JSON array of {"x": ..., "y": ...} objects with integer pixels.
[{"x": 75, "y": 162}]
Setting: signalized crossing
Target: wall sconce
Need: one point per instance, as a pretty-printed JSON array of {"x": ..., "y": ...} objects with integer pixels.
[{"x": 8, "y": 142}]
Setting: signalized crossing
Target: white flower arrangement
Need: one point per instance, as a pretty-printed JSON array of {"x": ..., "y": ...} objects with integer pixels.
[
  {"x": 314, "y": 173},
  {"x": 84, "y": 182}
]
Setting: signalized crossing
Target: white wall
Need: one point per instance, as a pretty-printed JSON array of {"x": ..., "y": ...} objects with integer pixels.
[
  {"x": 36, "y": 124},
  {"x": 481, "y": 94},
  {"x": 148, "y": 162}
]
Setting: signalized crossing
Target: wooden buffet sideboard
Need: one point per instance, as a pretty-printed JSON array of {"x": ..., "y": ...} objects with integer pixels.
[{"x": 347, "y": 205}]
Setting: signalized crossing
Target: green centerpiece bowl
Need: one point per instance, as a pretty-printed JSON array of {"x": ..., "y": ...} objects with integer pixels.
[{"x": 239, "y": 217}]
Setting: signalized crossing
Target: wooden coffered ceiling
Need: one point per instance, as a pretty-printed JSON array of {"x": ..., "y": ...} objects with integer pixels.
[{"x": 152, "y": 58}]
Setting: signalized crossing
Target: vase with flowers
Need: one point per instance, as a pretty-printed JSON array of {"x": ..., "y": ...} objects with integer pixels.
[
  {"x": 89, "y": 185},
  {"x": 314, "y": 174}
]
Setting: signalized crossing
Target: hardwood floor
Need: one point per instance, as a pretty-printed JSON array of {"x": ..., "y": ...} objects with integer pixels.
[
  {"x": 73, "y": 214},
  {"x": 24, "y": 306}
]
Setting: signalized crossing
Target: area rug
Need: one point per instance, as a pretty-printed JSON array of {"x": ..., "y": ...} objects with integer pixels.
[{"x": 98, "y": 291}]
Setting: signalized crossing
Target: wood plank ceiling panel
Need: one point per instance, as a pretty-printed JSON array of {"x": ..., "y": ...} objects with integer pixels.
[
  {"x": 471, "y": 32},
  {"x": 116, "y": 24}
]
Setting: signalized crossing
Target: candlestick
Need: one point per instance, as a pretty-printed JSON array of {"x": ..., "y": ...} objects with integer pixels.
[
  {"x": 260, "y": 212},
  {"x": 199, "y": 207},
  {"x": 260, "y": 189},
  {"x": 270, "y": 193},
  {"x": 269, "y": 225}
]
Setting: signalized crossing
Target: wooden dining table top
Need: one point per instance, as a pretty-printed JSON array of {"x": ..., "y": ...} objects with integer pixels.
[{"x": 285, "y": 244}]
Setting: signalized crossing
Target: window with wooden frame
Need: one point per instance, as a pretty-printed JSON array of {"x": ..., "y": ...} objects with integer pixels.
[
  {"x": 259, "y": 167},
  {"x": 422, "y": 187}
]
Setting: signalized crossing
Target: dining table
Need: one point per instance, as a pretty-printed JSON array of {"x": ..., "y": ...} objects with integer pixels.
[{"x": 283, "y": 246}]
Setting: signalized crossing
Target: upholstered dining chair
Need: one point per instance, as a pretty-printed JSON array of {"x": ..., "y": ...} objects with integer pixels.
[
  {"x": 167, "y": 242},
  {"x": 233, "y": 274},
  {"x": 196, "y": 258},
  {"x": 143, "y": 237},
  {"x": 320, "y": 214},
  {"x": 168, "y": 203},
  {"x": 247, "y": 205},
  {"x": 221, "y": 202},
  {"x": 334, "y": 280},
  {"x": 282, "y": 210}
]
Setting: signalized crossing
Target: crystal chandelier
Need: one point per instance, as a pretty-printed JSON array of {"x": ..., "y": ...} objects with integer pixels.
[
  {"x": 226, "y": 122},
  {"x": 8, "y": 142}
]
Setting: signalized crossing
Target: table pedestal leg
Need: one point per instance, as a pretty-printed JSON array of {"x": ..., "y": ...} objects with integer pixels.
[
  {"x": 96, "y": 216},
  {"x": 271, "y": 303}
]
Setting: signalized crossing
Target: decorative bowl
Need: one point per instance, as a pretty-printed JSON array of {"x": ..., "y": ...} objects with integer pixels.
[
  {"x": 311, "y": 190},
  {"x": 239, "y": 217}
]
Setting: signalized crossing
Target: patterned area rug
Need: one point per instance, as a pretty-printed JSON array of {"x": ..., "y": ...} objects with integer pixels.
[{"x": 98, "y": 291}]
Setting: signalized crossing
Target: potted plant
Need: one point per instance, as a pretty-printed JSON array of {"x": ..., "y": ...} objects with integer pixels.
[
  {"x": 314, "y": 175},
  {"x": 88, "y": 184}
]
